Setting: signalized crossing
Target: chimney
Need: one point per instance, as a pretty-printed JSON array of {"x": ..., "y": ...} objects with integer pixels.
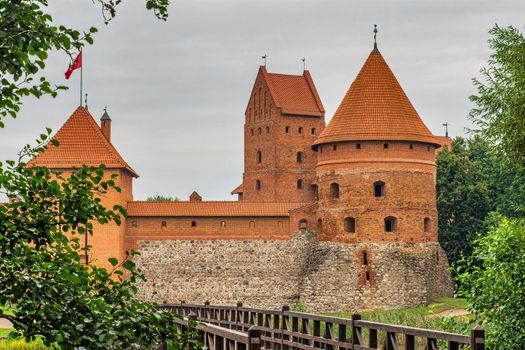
[{"x": 105, "y": 125}]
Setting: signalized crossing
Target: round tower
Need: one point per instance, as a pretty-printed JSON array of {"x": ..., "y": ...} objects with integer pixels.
[{"x": 376, "y": 170}]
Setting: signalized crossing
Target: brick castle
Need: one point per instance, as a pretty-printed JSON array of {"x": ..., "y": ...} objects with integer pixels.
[{"x": 340, "y": 217}]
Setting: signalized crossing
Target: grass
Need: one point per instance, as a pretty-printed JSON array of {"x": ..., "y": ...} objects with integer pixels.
[{"x": 18, "y": 344}]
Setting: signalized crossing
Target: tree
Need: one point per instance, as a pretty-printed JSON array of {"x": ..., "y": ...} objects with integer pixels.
[
  {"x": 500, "y": 100},
  {"x": 45, "y": 288},
  {"x": 492, "y": 281},
  {"x": 162, "y": 198},
  {"x": 28, "y": 34}
]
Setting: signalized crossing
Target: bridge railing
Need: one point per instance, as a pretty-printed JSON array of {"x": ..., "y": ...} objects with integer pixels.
[{"x": 289, "y": 330}]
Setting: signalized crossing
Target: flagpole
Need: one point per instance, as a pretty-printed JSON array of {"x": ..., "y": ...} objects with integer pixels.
[{"x": 81, "y": 69}]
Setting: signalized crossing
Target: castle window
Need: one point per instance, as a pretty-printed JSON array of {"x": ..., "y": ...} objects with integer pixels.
[
  {"x": 426, "y": 224},
  {"x": 365, "y": 257},
  {"x": 299, "y": 184},
  {"x": 367, "y": 276},
  {"x": 134, "y": 223},
  {"x": 314, "y": 131},
  {"x": 390, "y": 224},
  {"x": 334, "y": 190},
  {"x": 300, "y": 157},
  {"x": 428, "y": 148},
  {"x": 252, "y": 224},
  {"x": 411, "y": 146},
  {"x": 163, "y": 224},
  {"x": 194, "y": 224},
  {"x": 287, "y": 129},
  {"x": 223, "y": 224},
  {"x": 259, "y": 157},
  {"x": 358, "y": 145},
  {"x": 314, "y": 189},
  {"x": 379, "y": 189},
  {"x": 319, "y": 226},
  {"x": 385, "y": 145},
  {"x": 300, "y": 130},
  {"x": 303, "y": 224},
  {"x": 258, "y": 185},
  {"x": 252, "y": 132},
  {"x": 350, "y": 225},
  {"x": 334, "y": 147},
  {"x": 259, "y": 131},
  {"x": 267, "y": 129}
]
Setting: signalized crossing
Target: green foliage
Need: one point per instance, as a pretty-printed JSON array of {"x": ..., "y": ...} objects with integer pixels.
[
  {"x": 28, "y": 34},
  {"x": 162, "y": 198},
  {"x": 45, "y": 289},
  {"x": 473, "y": 181},
  {"x": 299, "y": 306},
  {"x": 500, "y": 99},
  {"x": 492, "y": 281}
]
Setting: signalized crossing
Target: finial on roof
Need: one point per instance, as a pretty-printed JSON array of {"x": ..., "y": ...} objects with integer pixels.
[
  {"x": 446, "y": 128},
  {"x": 105, "y": 116},
  {"x": 375, "y": 39},
  {"x": 304, "y": 63},
  {"x": 85, "y": 102},
  {"x": 264, "y": 58}
]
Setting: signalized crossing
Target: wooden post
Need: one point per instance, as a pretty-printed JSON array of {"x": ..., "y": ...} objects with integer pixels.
[
  {"x": 238, "y": 315},
  {"x": 356, "y": 331},
  {"x": 285, "y": 325},
  {"x": 477, "y": 338},
  {"x": 254, "y": 338}
]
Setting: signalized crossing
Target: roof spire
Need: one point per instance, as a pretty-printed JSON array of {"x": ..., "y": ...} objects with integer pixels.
[{"x": 375, "y": 39}]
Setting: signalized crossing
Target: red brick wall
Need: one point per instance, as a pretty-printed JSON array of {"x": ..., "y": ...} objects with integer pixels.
[
  {"x": 279, "y": 170},
  {"x": 409, "y": 191},
  {"x": 207, "y": 228}
]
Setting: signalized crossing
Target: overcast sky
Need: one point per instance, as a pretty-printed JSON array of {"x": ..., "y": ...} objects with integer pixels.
[{"x": 176, "y": 90}]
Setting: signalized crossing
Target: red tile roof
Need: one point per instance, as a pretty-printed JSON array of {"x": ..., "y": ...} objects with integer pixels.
[
  {"x": 81, "y": 143},
  {"x": 208, "y": 208},
  {"x": 294, "y": 94},
  {"x": 375, "y": 107},
  {"x": 444, "y": 141},
  {"x": 239, "y": 189}
]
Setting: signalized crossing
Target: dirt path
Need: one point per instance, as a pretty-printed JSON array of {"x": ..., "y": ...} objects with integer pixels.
[
  {"x": 5, "y": 323},
  {"x": 450, "y": 312}
]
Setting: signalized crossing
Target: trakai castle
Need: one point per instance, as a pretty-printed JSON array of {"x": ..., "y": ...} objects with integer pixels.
[{"x": 339, "y": 217}]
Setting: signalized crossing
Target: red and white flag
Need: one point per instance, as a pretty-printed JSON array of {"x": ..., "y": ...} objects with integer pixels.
[{"x": 77, "y": 63}]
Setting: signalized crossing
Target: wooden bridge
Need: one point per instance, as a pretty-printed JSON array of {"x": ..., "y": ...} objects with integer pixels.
[{"x": 240, "y": 328}]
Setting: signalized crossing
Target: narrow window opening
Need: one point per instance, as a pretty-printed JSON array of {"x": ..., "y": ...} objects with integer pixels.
[
  {"x": 300, "y": 157},
  {"x": 223, "y": 224},
  {"x": 299, "y": 184},
  {"x": 163, "y": 223},
  {"x": 385, "y": 145},
  {"x": 390, "y": 224},
  {"x": 426, "y": 224},
  {"x": 367, "y": 276},
  {"x": 314, "y": 131},
  {"x": 270, "y": 110},
  {"x": 300, "y": 130},
  {"x": 259, "y": 157},
  {"x": 321, "y": 149},
  {"x": 365, "y": 258},
  {"x": 259, "y": 131},
  {"x": 303, "y": 224},
  {"x": 411, "y": 146},
  {"x": 252, "y": 132},
  {"x": 334, "y": 190},
  {"x": 358, "y": 146},
  {"x": 350, "y": 225},
  {"x": 319, "y": 225},
  {"x": 379, "y": 189},
  {"x": 267, "y": 129},
  {"x": 194, "y": 224},
  {"x": 334, "y": 147},
  {"x": 287, "y": 129},
  {"x": 258, "y": 185}
]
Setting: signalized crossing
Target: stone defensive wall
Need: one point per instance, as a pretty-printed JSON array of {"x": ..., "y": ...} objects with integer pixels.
[{"x": 326, "y": 276}]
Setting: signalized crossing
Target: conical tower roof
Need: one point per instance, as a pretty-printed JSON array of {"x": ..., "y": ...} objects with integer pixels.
[
  {"x": 375, "y": 107},
  {"x": 81, "y": 143}
]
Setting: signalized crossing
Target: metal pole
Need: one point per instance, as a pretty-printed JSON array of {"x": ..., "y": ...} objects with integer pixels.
[{"x": 81, "y": 77}]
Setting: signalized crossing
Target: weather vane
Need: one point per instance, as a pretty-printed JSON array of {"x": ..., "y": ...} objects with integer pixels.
[
  {"x": 375, "y": 33},
  {"x": 304, "y": 63},
  {"x": 446, "y": 128},
  {"x": 264, "y": 58}
]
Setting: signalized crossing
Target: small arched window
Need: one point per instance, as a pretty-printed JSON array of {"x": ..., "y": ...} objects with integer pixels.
[
  {"x": 300, "y": 157},
  {"x": 194, "y": 224},
  {"x": 358, "y": 145},
  {"x": 385, "y": 145},
  {"x": 252, "y": 132},
  {"x": 259, "y": 157},
  {"x": 259, "y": 131},
  {"x": 258, "y": 185},
  {"x": 390, "y": 224},
  {"x": 314, "y": 131},
  {"x": 300, "y": 130},
  {"x": 222, "y": 224},
  {"x": 350, "y": 225},
  {"x": 252, "y": 224},
  {"x": 287, "y": 129},
  {"x": 411, "y": 146},
  {"x": 334, "y": 147},
  {"x": 303, "y": 224},
  {"x": 267, "y": 129},
  {"x": 299, "y": 184},
  {"x": 379, "y": 189},
  {"x": 334, "y": 190},
  {"x": 427, "y": 224},
  {"x": 163, "y": 223}
]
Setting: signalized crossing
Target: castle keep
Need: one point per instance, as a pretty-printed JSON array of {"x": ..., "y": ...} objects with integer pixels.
[{"x": 339, "y": 217}]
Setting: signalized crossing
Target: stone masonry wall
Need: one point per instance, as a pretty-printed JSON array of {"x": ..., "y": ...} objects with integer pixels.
[{"x": 268, "y": 274}]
